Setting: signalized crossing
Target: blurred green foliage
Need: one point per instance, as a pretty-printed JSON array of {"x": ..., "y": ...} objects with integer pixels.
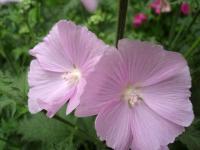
[{"x": 24, "y": 24}]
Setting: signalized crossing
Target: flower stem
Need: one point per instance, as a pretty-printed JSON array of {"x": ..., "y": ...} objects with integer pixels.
[
  {"x": 83, "y": 133},
  {"x": 192, "y": 49},
  {"x": 123, "y": 4},
  {"x": 56, "y": 117}
]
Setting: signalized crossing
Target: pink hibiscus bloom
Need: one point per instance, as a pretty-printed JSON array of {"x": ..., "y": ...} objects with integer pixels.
[
  {"x": 140, "y": 95},
  {"x": 160, "y": 6},
  {"x": 63, "y": 61},
  {"x": 185, "y": 8},
  {"x": 90, "y": 5},
  {"x": 139, "y": 19}
]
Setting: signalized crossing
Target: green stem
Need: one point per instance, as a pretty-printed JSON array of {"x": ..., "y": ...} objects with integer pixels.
[
  {"x": 181, "y": 29},
  {"x": 191, "y": 51},
  {"x": 64, "y": 121},
  {"x": 191, "y": 23},
  {"x": 123, "y": 5},
  {"x": 173, "y": 27},
  {"x": 81, "y": 131}
]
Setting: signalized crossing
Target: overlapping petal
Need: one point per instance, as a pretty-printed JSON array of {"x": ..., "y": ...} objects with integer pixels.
[
  {"x": 65, "y": 58},
  {"x": 46, "y": 88},
  {"x": 149, "y": 63},
  {"x": 170, "y": 98},
  {"x": 81, "y": 46},
  {"x": 113, "y": 125},
  {"x": 104, "y": 84},
  {"x": 149, "y": 130},
  {"x": 160, "y": 81}
]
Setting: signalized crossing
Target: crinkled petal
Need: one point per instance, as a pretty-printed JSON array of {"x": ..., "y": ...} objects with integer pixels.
[
  {"x": 48, "y": 90},
  {"x": 150, "y": 131},
  {"x": 104, "y": 85},
  {"x": 75, "y": 100},
  {"x": 38, "y": 76},
  {"x": 90, "y": 5},
  {"x": 82, "y": 46},
  {"x": 41, "y": 84},
  {"x": 164, "y": 148},
  {"x": 148, "y": 63},
  {"x": 56, "y": 100},
  {"x": 69, "y": 45},
  {"x": 113, "y": 125},
  {"x": 51, "y": 54},
  {"x": 33, "y": 106},
  {"x": 170, "y": 98}
]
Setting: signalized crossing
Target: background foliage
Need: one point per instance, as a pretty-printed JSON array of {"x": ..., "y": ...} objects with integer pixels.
[{"x": 24, "y": 24}]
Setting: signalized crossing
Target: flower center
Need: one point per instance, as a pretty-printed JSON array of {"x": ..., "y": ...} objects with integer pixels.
[
  {"x": 131, "y": 95},
  {"x": 72, "y": 76}
]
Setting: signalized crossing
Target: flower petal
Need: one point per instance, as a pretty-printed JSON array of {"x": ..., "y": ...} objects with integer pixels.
[
  {"x": 164, "y": 148},
  {"x": 51, "y": 54},
  {"x": 33, "y": 106},
  {"x": 170, "y": 98},
  {"x": 103, "y": 86},
  {"x": 149, "y": 63},
  {"x": 75, "y": 100},
  {"x": 113, "y": 125},
  {"x": 48, "y": 90},
  {"x": 90, "y": 5},
  {"x": 82, "y": 46},
  {"x": 150, "y": 131},
  {"x": 41, "y": 84},
  {"x": 56, "y": 100},
  {"x": 38, "y": 76}
]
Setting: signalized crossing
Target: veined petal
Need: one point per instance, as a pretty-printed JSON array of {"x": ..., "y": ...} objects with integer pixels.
[
  {"x": 170, "y": 98},
  {"x": 56, "y": 100},
  {"x": 113, "y": 125},
  {"x": 149, "y": 63},
  {"x": 150, "y": 131},
  {"x": 51, "y": 54},
  {"x": 48, "y": 90},
  {"x": 75, "y": 100},
  {"x": 103, "y": 85},
  {"x": 81, "y": 46},
  {"x": 38, "y": 76}
]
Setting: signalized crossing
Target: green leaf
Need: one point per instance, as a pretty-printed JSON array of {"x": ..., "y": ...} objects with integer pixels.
[
  {"x": 41, "y": 128},
  {"x": 191, "y": 137}
]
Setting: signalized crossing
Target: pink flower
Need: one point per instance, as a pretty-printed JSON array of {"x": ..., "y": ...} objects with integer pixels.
[
  {"x": 90, "y": 5},
  {"x": 160, "y": 6},
  {"x": 185, "y": 8},
  {"x": 139, "y": 19},
  {"x": 140, "y": 95},
  {"x": 63, "y": 61}
]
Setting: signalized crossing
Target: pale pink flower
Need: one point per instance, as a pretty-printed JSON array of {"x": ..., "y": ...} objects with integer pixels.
[
  {"x": 90, "y": 5},
  {"x": 63, "y": 61},
  {"x": 160, "y": 6},
  {"x": 139, "y": 19},
  {"x": 185, "y": 8},
  {"x": 140, "y": 95}
]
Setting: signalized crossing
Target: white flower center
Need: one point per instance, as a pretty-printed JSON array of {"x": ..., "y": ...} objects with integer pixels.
[
  {"x": 131, "y": 95},
  {"x": 72, "y": 76}
]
